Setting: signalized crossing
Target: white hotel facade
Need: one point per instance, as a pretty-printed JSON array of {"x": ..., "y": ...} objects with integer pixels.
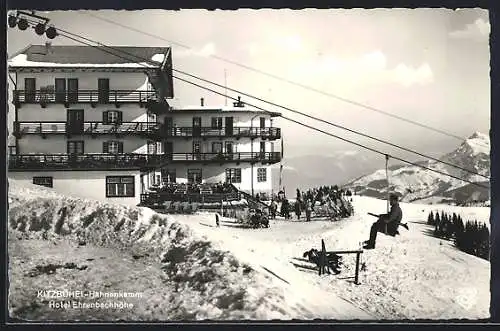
[{"x": 90, "y": 123}]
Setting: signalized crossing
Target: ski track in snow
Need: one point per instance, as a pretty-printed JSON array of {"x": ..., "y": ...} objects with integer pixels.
[{"x": 412, "y": 276}]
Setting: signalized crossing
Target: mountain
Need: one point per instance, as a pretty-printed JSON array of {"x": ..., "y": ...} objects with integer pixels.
[
  {"x": 415, "y": 183},
  {"x": 313, "y": 170}
]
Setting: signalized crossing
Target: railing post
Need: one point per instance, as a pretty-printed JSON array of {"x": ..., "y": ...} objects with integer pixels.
[{"x": 356, "y": 276}]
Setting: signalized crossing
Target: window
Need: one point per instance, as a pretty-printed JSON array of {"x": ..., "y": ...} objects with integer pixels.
[
  {"x": 168, "y": 175},
  {"x": 30, "y": 89},
  {"x": 216, "y": 122},
  {"x": 151, "y": 117},
  {"x": 112, "y": 117},
  {"x": 112, "y": 147},
  {"x": 261, "y": 175},
  {"x": 103, "y": 90},
  {"x": 262, "y": 122},
  {"x": 43, "y": 181},
  {"x": 216, "y": 147},
  {"x": 75, "y": 147},
  {"x": 151, "y": 147},
  {"x": 120, "y": 187},
  {"x": 194, "y": 176},
  {"x": 233, "y": 175}
]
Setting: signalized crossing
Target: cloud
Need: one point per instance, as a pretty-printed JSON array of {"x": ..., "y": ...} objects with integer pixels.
[
  {"x": 408, "y": 76},
  {"x": 370, "y": 68},
  {"x": 205, "y": 51},
  {"x": 479, "y": 30}
]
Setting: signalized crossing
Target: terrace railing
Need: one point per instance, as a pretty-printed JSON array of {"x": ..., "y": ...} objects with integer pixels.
[
  {"x": 247, "y": 132},
  {"x": 28, "y": 162},
  {"x": 129, "y": 160},
  {"x": 83, "y": 96},
  {"x": 153, "y": 128},
  {"x": 266, "y": 157},
  {"x": 158, "y": 198},
  {"x": 60, "y": 127}
]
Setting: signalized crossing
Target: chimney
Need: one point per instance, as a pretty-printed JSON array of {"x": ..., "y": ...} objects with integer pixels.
[
  {"x": 48, "y": 47},
  {"x": 202, "y": 102}
]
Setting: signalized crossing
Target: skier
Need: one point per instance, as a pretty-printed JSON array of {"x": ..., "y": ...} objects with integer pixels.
[
  {"x": 387, "y": 223},
  {"x": 297, "y": 208},
  {"x": 308, "y": 210}
]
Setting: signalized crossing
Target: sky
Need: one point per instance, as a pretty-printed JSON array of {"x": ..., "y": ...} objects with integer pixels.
[{"x": 426, "y": 65}]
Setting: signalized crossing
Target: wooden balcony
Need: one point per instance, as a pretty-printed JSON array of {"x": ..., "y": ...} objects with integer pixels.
[
  {"x": 221, "y": 158},
  {"x": 52, "y": 162},
  {"x": 269, "y": 133},
  {"x": 92, "y": 97},
  {"x": 55, "y": 162},
  {"x": 89, "y": 128}
]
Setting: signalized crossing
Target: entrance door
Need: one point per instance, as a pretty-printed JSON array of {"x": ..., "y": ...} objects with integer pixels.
[
  {"x": 229, "y": 126},
  {"x": 196, "y": 150},
  {"x": 29, "y": 89},
  {"x": 60, "y": 89},
  {"x": 168, "y": 123},
  {"x": 196, "y": 126},
  {"x": 103, "y": 90},
  {"x": 262, "y": 149},
  {"x": 194, "y": 176},
  {"x": 169, "y": 149},
  {"x": 73, "y": 90},
  {"x": 229, "y": 150},
  {"x": 74, "y": 121}
]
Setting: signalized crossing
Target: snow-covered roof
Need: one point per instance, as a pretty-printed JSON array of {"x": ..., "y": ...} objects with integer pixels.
[
  {"x": 226, "y": 109},
  {"x": 87, "y": 57}
]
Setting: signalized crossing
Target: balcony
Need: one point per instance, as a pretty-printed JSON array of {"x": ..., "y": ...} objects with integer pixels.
[
  {"x": 89, "y": 128},
  {"x": 205, "y": 158},
  {"x": 55, "y": 162},
  {"x": 94, "y": 97},
  {"x": 209, "y": 132}
]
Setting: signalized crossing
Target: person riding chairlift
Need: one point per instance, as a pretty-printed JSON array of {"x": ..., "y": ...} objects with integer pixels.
[{"x": 386, "y": 223}]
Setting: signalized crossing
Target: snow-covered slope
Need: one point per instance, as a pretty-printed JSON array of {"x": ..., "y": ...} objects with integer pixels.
[
  {"x": 232, "y": 272},
  {"x": 415, "y": 183},
  {"x": 180, "y": 274}
]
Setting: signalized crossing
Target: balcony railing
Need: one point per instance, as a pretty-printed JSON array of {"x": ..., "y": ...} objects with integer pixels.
[
  {"x": 49, "y": 162},
  {"x": 60, "y": 127},
  {"x": 249, "y": 132},
  {"x": 149, "y": 128},
  {"x": 83, "y": 96},
  {"x": 130, "y": 160},
  {"x": 265, "y": 157},
  {"x": 160, "y": 197}
]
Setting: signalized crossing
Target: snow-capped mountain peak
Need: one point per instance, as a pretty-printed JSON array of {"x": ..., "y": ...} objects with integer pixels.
[{"x": 415, "y": 183}]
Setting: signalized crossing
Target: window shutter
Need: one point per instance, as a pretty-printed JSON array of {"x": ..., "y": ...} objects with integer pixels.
[
  {"x": 120, "y": 147},
  {"x": 105, "y": 117},
  {"x": 105, "y": 148},
  {"x": 120, "y": 117}
]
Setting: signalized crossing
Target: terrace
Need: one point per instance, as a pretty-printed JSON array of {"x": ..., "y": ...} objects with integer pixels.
[
  {"x": 88, "y": 128},
  {"x": 145, "y": 128},
  {"x": 54, "y": 162},
  {"x": 264, "y": 157},
  {"x": 191, "y": 192},
  {"x": 94, "y": 97},
  {"x": 270, "y": 133}
]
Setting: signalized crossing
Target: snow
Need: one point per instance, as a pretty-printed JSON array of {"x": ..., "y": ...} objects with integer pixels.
[
  {"x": 21, "y": 60},
  {"x": 410, "y": 276},
  {"x": 417, "y": 183}
]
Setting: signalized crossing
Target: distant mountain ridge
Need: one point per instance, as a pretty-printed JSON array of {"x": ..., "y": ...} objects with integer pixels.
[{"x": 415, "y": 183}]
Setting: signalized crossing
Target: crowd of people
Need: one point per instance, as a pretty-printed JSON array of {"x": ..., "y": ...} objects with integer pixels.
[
  {"x": 195, "y": 188},
  {"x": 323, "y": 201}
]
